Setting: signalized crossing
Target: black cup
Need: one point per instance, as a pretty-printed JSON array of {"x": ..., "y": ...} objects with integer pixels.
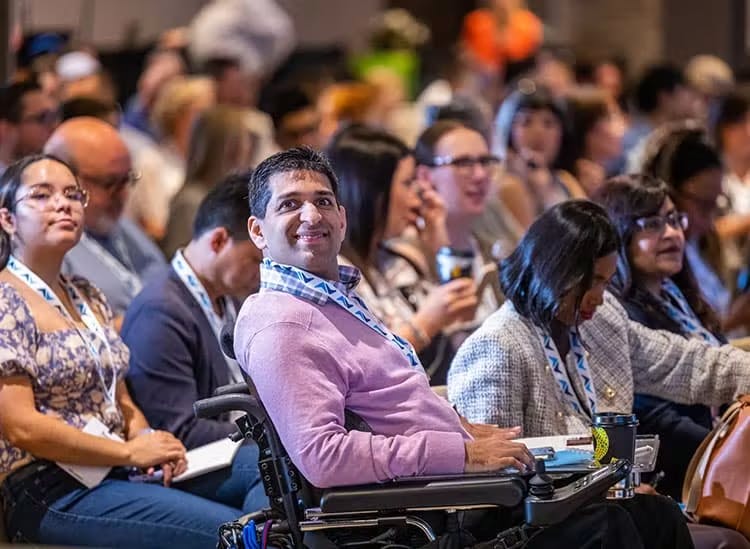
[
  {"x": 453, "y": 263},
  {"x": 614, "y": 437}
]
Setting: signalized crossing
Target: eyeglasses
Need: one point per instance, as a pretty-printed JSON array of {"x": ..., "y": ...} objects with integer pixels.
[
  {"x": 45, "y": 118},
  {"x": 43, "y": 195},
  {"x": 112, "y": 183},
  {"x": 466, "y": 164},
  {"x": 656, "y": 224}
]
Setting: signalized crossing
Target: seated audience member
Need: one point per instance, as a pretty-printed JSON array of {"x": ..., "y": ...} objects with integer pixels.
[
  {"x": 731, "y": 135},
  {"x": 63, "y": 401},
  {"x": 596, "y": 130},
  {"x": 344, "y": 356},
  {"x": 172, "y": 330},
  {"x": 380, "y": 189},
  {"x": 90, "y": 106},
  {"x": 220, "y": 143},
  {"x": 661, "y": 95},
  {"x": 455, "y": 160},
  {"x": 29, "y": 116},
  {"x": 559, "y": 313},
  {"x": 175, "y": 110},
  {"x": 113, "y": 252},
  {"x": 295, "y": 118},
  {"x": 161, "y": 66},
  {"x": 530, "y": 129},
  {"x": 555, "y": 283},
  {"x": 655, "y": 285},
  {"x": 172, "y": 326},
  {"x": 680, "y": 155}
]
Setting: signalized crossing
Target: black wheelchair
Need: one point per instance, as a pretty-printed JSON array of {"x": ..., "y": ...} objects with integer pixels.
[{"x": 409, "y": 512}]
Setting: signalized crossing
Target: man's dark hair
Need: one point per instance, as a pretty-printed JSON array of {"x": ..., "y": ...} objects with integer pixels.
[
  {"x": 655, "y": 81},
  {"x": 225, "y": 205},
  {"x": 729, "y": 110},
  {"x": 11, "y": 99},
  {"x": 284, "y": 101},
  {"x": 298, "y": 159},
  {"x": 555, "y": 257},
  {"x": 86, "y": 106}
]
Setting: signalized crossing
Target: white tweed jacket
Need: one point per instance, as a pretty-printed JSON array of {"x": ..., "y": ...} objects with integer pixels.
[{"x": 500, "y": 374}]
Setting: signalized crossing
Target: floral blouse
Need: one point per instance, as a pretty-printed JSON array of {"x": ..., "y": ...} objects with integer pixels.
[{"x": 59, "y": 364}]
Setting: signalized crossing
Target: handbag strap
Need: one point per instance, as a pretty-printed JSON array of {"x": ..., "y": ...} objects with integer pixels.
[{"x": 693, "y": 487}]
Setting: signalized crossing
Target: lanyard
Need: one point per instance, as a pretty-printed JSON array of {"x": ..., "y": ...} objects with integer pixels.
[
  {"x": 128, "y": 278},
  {"x": 683, "y": 314},
  {"x": 196, "y": 289},
  {"x": 350, "y": 302},
  {"x": 27, "y": 276},
  {"x": 561, "y": 373}
]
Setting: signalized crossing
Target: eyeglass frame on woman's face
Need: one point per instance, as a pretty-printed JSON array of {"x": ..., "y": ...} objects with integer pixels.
[
  {"x": 465, "y": 164},
  {"x": 81, "y": 195},
  {"x": 676, "y": 220},
  {"x": 112, "y": 183}
]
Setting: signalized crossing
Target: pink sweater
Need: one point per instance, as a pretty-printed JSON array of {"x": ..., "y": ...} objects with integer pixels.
[{"x": 310, "y": 362}]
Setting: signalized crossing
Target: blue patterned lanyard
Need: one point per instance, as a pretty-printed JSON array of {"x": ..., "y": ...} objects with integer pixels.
[
  {"x": 560, "y": 372},
  {"x": 304, "y": 284},
  {"x": 199, "y": 293},
  {"x": 683, "y": 314},
  {"x": 27, "y": 276}
]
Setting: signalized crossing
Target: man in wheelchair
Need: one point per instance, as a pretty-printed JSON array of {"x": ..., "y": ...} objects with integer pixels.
[{"x": 315, "y": 353}]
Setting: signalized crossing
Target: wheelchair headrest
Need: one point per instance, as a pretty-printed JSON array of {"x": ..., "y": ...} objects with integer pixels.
[{"x": 226, "y": 339}]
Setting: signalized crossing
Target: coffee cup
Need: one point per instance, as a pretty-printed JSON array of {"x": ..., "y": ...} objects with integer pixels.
[
  {"x": 453, "y": 263},
  {"x": 614, "y": 437}
]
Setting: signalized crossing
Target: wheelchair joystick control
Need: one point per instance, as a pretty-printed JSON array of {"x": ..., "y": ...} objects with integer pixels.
[{"x": 540, "y": 484}]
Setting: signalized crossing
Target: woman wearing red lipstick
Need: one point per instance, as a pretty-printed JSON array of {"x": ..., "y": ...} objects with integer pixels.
[
  {"x": 656, "y": 286},
  {"x": 70, "y": 434}
]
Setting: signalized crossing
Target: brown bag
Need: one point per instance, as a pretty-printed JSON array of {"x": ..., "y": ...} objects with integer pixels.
[{"x": 717, "y": 483}]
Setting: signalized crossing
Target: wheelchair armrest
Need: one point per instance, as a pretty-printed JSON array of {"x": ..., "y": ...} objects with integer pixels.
[
  {"x": 233, "y": 388},
  {"x": 416, "y": 493},
  {"x": 232, "y": 402}
]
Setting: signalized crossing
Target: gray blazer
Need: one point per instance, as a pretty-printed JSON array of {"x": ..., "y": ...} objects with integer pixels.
[{"x": 501, "y": 375}]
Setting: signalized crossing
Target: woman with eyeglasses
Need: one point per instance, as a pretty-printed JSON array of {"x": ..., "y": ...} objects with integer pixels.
[
  {"x": 531, "y": 138},
  {"x": 76, "y": 453},
  {"x": 384, "y": 199},
  {"x": 562, "y": 348},
  {"x": 680, "y": 155},
  {"x": 655, "y": 284}
]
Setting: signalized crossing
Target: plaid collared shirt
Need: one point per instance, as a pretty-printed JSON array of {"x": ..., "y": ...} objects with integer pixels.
[{"x": 285, "y": 278}]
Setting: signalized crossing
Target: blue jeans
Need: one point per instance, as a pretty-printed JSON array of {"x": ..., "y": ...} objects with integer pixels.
[{"x": 118, "y": 513}]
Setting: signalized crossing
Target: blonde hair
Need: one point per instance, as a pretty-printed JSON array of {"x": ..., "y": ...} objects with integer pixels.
[
  {"x": 175, "y": 98},
  {"x": 215, "y": 145}
]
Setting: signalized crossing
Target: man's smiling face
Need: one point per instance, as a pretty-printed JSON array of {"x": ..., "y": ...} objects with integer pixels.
[{"x": 304, "y": 225}]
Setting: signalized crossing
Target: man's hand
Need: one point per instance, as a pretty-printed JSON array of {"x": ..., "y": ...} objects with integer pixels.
[
  {"x": 497, "y": 452},
  {"x": 485, "y": 430}
]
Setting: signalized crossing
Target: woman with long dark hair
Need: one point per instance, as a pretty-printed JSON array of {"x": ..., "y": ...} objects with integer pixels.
[
  {"x": 379, "y": 190},
  {"x": 656, "y": 286}
]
